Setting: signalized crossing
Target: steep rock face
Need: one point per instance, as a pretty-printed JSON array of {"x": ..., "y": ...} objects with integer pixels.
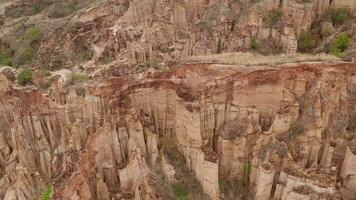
[
  {"x": 282, "y": 130},
  {"x": 131, "y": 32}
]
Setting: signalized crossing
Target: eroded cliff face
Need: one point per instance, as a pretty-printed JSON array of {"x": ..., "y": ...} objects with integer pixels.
[
  {"x": 281, "y": 132},
  {"x": 127, "y": 32}
]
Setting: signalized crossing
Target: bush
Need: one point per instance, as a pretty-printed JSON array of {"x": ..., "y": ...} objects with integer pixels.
[
  {"x": 306, "y": 42},
  {"x": 5, "y": 59},
  {"x": 46, "y": 72},
  {"x": 25, "y": 76},
  {"x": 181, "y": 191},
  {"x": 33, "y": 34},
  {"x": 36, "y": 9},
  {"x": 338, "y": 16},
  {"x": 339, "y": 45},
  {"x": 46, "y": 193},
  {"x": 273, "y": 17},
  {"x": 253, "y": 44}
]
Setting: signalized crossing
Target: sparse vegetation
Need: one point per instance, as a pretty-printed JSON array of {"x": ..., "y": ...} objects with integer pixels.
[
  {"x": 273, "y": 17},
  {"x": 269, "y": 46},
  {"x": 5, "y": 59},
  {"x": 62, "y": 9},
  {"x": 223, "y": 184},
  {"x": 145, "y": 65},
  {"x": 46, "y": 72},
  {"x": 165, "y": 68},
  {"x": 246, "y": 171},
  {"x": 33, "y": 34},
  {"x": 253, "y": 44},
  {"x": 76, "y": 78},
  {"x": 181, "y": 191},
  {"x": 36, "y": 9},
  {"x": 26, "y": 52},
  {"x": 340, "y": 43},
  {"x": 306, "y": 42},
  {"x": 25, "y": 76},
  {"x": 338, "y": 16},
  {"x": 258, "y": 59},
  {"x": 27, "y": 8},
  {"x": 24, "y": 55},
  {"x": 46, "y": 193},
  {"x": 237, "y": 188},
  {"x": 210, "y": 17},
  {"x": 187, "y": 186}
]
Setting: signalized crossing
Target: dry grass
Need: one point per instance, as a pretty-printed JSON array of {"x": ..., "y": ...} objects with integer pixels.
[{"x": 258, "y": 59}]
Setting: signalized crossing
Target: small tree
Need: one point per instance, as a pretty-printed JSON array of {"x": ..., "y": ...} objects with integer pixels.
[
  {"x": 338, "y": 16},
  {"x": 273, "y": 17},
  {"x": 46, "y": 193},
  {"x": 181, "y": 191},
  {"x": 306, "y": 41},
  {"x": 339, "y": 45},
  {"x": 25, "y": 76},
  {"x": 5, "y": 59}
]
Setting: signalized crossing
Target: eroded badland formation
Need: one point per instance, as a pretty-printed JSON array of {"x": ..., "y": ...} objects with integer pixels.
[{"x": 148, "y": 99}]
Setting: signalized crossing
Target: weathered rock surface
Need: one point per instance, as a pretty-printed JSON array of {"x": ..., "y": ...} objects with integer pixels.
[
  {"x": 283, "y": 128},
  {"x": 149, "y": 31}
]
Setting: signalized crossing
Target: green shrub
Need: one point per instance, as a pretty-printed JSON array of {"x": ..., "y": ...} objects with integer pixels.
[
  {"x": 36, "y": 9},
  {"x": 273, "y": 17},
  {"x": 181, "y": 191},
  {"x": 46, "y": 72},
  {"x": 306, "y": 42},
  {"x": 253, "y": 44},
  {"x": 338, "y": 15},
  {"x": 5, "y": 59},
  {"x": 339, "y": 45},
  {"x": 25, "y": 76},
  {"x": 33, "y": 34},
  {"x": 46, "y": 193},
  {"x": 223, "y": 184}
]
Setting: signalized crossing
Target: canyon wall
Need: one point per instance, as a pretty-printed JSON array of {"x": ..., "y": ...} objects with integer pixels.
[
  {"x": 286, "y": 131},
  {"x": 151, "y": 31}
]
